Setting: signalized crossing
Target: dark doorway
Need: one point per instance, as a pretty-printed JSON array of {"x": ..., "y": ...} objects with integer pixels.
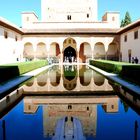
[{"x": 69, "y": 55}]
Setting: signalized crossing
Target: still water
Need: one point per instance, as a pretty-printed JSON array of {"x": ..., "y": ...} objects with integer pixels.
[{"x": 72, "y": 103}]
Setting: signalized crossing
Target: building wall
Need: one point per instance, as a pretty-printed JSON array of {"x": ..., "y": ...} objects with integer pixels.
[
  {"x": 70, "y": 25},
  {"x": 88, "y": 40},
  {"x": 131, "y": 45},
  {"x": 28, "y": 18},
  {"x": 78, "y": 10},
  {"x": 70, "y": 15},
  {"x": 10, "y": 46}
]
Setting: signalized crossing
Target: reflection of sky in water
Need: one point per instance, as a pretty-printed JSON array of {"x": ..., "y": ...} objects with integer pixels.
[
  {"x": 110, "y": 126},
  {"x": 106, "y": 116}
]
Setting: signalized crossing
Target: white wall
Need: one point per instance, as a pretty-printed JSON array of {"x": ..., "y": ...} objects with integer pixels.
[
  {"x": 71, "y": 25},
  {"x": 9, "y": 48},
  {"x": 28, "y": 18},
  {"x": 57, "y": 11},
  {"x": 131, "y": 44}
]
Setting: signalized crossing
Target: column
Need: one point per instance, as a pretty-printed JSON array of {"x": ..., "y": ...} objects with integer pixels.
[
  {"x": 61, "y": 53},
  {"x": 78, "y": 49},
  {"x": 35, "y": 48},
  {"x": 106, "y": 49}
]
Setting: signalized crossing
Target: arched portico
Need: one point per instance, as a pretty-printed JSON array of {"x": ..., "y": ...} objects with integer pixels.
[
  {"x": 41, "y": 51},
  {"x": 69, "y": 50},
  {"x": 69, "y": 54},
  {"x": 28, "y": 52},
  {"x": 85, "y": 52},
  {"x": 112, "y": 52},
  {"x": 99, "y": 51},
  {"x": 54, "y": 52}
]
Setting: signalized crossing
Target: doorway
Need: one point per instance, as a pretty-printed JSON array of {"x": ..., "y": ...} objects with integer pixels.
[{"x": 69, "y": 55}]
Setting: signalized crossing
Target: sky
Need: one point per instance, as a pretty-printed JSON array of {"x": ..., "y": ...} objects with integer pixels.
[{"x": 12, "y": 9}]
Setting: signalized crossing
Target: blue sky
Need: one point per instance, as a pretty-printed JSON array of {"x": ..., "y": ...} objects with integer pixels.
[{"x": 11, "y": 9}]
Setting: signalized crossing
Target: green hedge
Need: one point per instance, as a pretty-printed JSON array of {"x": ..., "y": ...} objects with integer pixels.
[
  {"x": 127, "y": 71},
  {"x": 131, "y": 73},
  {"x": 9, "y": 71},
  {"x": 109, "y": 66}
]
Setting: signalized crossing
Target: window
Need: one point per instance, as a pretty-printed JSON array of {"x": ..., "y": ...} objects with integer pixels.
[
  {"x": 136, "y": 35},
  {"x": 69, "y": 17},
  {"x": 29, "y": 107},
  {"x": 113, "y": 18},
  {"x": 87, "y": 15},
  {"x": 112, "y": 106},
  {"x": 5, "y": 34},
  {"x": 27, "y": 18},
  {"x": 125, "y": 38},
  {"x": 16, "y": 38},
  {"x": 69, "y": 106}
]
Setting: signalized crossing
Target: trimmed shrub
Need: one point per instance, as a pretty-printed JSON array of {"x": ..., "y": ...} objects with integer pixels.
[
  {"x": 131, "y": 73},
  {"x": 127, "y": 71},
  {"x": 9, "y": 71},
  {"x": 109, "y": 66}
]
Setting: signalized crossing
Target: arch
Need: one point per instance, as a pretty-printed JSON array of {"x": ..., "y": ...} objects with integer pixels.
[
  {"x": 85, "y": 76},
  {"x": 85, "y": 52},
  {"x": 112, "y": 52},
  {"x": 69, "y": 77},
  {"x": 54, "y": 52},
  {"x": 55, "y": 80},
  {"x": 42, "y": 79},
  {"x": 98, "y": 79},
  {"x": 70, "y": 85},
  {"x": 28, "y": 51},
  {"x": 41, "y": 51},
  {"x": 99, "y": 51},
  {"x": 69, "y": 54},
  {"x": 71, "y": 44},
  {"x": 30, "y": 83}
]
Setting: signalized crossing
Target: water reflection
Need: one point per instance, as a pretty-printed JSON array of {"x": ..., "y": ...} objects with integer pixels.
[
  {"x": 99, "y": 79},
  {"x": 83, "y": 109},
  {"x": 100, "y": 116},
  {"x": 128, "y": 98},
  {"x": 55, "y": 75},
  {"x": 41, "y": 79},
  {"x": 85, "y": 75},
  {"x": 68, "y": 78}
]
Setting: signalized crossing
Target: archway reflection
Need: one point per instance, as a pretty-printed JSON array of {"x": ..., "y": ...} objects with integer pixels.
[
  {"x": 76, "y": 78},
  {"x": 85, "y": 75},
  {"x": 55, "y": 75},
  {"x": 70, "y": 76}
]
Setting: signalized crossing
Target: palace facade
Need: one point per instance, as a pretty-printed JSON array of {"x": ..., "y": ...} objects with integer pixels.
[{"x": 68, "y": 32}]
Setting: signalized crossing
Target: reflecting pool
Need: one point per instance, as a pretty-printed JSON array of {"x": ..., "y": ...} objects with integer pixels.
[
  {"x": 71, "y": 103},
  {"x": 68, "y": 79}
]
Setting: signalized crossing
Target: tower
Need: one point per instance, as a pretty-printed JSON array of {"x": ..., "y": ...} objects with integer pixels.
[{"x": 69, "y": 10}]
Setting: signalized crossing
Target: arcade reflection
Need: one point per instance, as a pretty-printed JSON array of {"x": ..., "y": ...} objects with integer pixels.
[
  {"x": 70, "y": 102},
  {"x": 68, "y": 78},
  {"x": 83, "y": 108}
]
